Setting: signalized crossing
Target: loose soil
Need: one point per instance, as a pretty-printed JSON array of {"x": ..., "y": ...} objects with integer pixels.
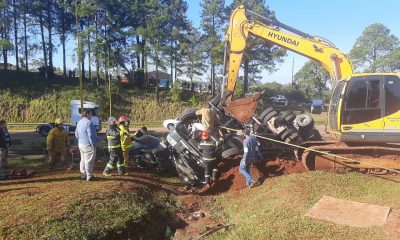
[{"x": 232, "y": 180}]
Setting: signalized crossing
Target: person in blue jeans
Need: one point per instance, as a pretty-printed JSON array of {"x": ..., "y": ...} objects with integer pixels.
[{"x": 251, "y": 153}]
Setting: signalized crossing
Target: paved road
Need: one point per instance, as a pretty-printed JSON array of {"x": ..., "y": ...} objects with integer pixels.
[{"x": 31, "y": 145}]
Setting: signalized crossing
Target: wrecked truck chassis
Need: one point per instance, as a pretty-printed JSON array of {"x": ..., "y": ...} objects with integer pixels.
[{"x": 186, "y": 154}]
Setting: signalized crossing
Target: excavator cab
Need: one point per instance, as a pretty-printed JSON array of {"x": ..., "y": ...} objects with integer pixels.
[{"x": 366, "y": 108}]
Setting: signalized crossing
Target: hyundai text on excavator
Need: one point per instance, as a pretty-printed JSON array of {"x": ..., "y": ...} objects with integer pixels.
[{"x": 364, "y": 110}]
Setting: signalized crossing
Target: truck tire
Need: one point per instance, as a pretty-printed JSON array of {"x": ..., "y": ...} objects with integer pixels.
[
  {"x": 44, "y": 130},
  {"x": 287, "y": 133},
  {"x": 186, "y": 113},
  {"x": 166, "y": 162},
  {"x": 187, "y": 118},
  {"x": 288, "y": 116},
  {"x": 230, "y": 152},
  {"x": 234, "y": 142},
  {"x": 269, "y": 116},
  {"x": 265, "y": 112},
  {"x": 315, "y": 135},
  {"x": 305, "y": 121}
]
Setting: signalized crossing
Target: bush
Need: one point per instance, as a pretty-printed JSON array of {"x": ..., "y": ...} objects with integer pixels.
[
  {"x": 176, "y": 93},
  {"x": 194, "y": 102}
]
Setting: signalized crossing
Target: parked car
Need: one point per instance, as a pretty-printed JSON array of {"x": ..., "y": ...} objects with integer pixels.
[
  {"x": 317, "y": 106},
  {"x": 279, "y": 100},
  {"x": 44, "y": 129}
]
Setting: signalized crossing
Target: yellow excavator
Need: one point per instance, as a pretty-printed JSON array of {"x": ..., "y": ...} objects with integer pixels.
[{"x": 364, "y": 110}]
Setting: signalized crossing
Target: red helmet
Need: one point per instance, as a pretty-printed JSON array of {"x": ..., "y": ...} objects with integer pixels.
[
  {"x": 122, "y": 119},
  {"x": 204, "y": 135}
]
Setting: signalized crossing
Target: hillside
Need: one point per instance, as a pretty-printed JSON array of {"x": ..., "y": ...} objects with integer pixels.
[{"x": 27, "y": 97}]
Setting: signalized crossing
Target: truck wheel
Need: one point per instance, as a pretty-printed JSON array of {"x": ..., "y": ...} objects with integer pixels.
[
  {"x": 234, "y": 142},
  {"x": 44, "y": 130},
  {"x": 269, "y": 116},
  {"x": 287, "y": 133},
  {"x": 305, "y": 121},
  {"x": 166, "y": 161},
  {"x": 313, "y": 135},
  {"x": 265, "y": 112},
  {"x": 187, "y": 112},
  {"x": 288, "y": 116},
  {"x": 187, "y": 118},
  {"x": 230, "y": 152}
]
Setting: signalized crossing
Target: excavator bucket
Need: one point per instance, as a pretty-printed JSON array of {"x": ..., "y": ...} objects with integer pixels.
[{"x": 243, "y": 109}]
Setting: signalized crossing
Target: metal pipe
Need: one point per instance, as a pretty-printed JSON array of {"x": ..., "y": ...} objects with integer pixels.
[{"x": 317, "y": 151}]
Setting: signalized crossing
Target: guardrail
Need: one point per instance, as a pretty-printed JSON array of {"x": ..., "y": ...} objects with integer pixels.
[{"x": 103, "y": 124}]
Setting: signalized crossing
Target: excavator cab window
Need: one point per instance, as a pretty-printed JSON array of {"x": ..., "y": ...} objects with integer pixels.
[
  {"x": 362, "y": 100},
  {"x": 392, "y": 95}
]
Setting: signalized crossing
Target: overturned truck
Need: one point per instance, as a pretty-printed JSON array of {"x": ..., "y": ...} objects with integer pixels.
[{"x": 186, "y": 152}]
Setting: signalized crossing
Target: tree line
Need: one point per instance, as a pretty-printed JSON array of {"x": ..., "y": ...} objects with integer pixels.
[
  {"x": 132, "y": 35},
  {"x": 129, "y": 35}
]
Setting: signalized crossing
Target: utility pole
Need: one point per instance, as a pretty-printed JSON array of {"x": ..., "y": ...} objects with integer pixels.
[
  {"x": 293, "y": 72},
  {"x": 79, "y": 56}
]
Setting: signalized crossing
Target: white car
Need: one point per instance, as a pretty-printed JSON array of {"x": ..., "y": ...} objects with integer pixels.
[
  {"x": 170, "y": 123},
  {"x": 279, "y": 100}
]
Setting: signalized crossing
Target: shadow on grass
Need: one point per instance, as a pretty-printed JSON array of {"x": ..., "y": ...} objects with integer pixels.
[
  {"x": 47, "y": 180},
  {"x": 13, "y": 189}
]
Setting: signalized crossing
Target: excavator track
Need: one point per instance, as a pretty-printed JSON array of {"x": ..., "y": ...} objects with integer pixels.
[{"x": 365, "y": 159}]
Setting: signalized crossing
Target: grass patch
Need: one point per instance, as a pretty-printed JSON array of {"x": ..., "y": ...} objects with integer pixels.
[
  {"x": 320, "y": 119},
  {"x": 61, "y": 206},
  {"x": 28, "y": 163},
  {"x": 276, "y": 209}
]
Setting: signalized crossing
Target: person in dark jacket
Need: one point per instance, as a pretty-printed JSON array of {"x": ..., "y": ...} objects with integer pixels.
[
  {"x": 5, "y": 143},
  {"x": 114, "y": 148},
  {"x": 251, "y": 153},
  {"x": 207, "y": 146}
]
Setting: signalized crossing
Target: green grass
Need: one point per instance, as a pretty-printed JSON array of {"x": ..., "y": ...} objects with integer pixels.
[
  {"x": 48, "y": 104},
  {"x": 320, "y": 119},
  {"x": 61, "y": 206},
  {"x": 28, "y": 163},
  {"x": 276, "y": 209}
]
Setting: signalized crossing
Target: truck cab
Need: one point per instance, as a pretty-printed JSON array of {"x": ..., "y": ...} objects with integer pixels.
[{"x": 76, "y": 112}]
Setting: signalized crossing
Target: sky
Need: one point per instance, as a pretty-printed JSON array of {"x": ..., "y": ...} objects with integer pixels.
[{"x": 339, "y": 21}]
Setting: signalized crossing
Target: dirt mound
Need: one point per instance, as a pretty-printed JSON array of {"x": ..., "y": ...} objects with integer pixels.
[{"x": 232, "y": 180}]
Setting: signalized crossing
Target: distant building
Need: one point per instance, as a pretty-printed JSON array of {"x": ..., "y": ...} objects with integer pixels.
[
  {"x": 9, "y": 66},
  {"x": 162, "y": 79}
]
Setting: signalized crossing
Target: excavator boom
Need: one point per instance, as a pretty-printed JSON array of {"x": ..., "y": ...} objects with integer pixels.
[{"x": 240, "y": 27}]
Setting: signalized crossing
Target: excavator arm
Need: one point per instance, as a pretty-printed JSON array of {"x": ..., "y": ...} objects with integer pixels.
[{"x": 240, "y": 27}]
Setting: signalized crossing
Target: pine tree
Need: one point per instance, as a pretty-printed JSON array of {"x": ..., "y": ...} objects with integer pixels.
[{"x": 213, "y": 18}]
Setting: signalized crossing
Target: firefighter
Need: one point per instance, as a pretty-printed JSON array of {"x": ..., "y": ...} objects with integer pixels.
[
  {"x": 114, "y": 148},
  {"x": 208, "y": 146},
  {"x": 57, "y": 141},
  {"x": 126, "y": 138}
]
